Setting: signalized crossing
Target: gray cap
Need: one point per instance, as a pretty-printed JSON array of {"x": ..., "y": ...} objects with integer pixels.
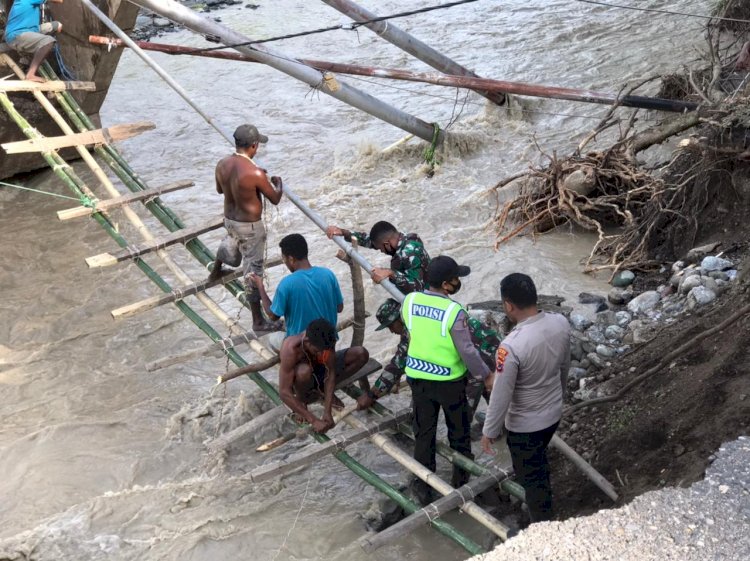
[{"x": 247, "y": 135}]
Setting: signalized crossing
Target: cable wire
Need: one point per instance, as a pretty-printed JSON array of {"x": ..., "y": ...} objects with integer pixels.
[{"x": 661, "y": 11}]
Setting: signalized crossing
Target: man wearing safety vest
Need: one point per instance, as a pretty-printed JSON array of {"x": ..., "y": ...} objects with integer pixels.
[{"x": 440, "y": 356}]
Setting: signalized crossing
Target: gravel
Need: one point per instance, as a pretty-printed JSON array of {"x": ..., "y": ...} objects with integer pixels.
[{"x": 708, "y": 520}]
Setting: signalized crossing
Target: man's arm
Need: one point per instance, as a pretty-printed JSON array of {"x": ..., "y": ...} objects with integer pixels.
[
  {"x": 271, "y": 189},
  {"x": 286, "y": 386},
  {"x": 363, "y": 239},
  {"x": 469, "y": 353},
  {"x": 218, "y": 183},
  {"x": 506, "y": 374},
  {"x": 328, "y": 388},
  {"x": 565, "y": 366},
  {"x": 264, "y": 299}
]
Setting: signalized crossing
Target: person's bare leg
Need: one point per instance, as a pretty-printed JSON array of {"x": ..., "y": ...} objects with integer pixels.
[{"x": 39, "y": 56}]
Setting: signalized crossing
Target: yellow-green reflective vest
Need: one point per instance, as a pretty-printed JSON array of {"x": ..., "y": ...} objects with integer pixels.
[{"x": 432, "y": 354}]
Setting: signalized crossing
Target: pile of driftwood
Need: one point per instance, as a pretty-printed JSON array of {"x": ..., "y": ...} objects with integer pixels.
[{"x": 642, "y": 216}]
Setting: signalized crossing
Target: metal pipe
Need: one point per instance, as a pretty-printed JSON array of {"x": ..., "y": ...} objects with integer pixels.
[
  {"x": 519, "y": 88},
  {"x": 341, "y": 91},
  {"x": 410, "y": 44}
]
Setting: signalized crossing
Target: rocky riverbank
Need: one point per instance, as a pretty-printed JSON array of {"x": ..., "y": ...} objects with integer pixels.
[{"x": 150, "y": 25}]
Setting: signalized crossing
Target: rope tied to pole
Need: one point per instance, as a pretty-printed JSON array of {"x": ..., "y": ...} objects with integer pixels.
[{"x": 429, "y": 153}]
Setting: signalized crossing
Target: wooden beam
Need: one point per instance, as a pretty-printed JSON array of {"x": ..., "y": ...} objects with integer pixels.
[
  {"x": 117, "y": 202},
  {"x": 313, "y": 453},
  {"x": 422, "y": 517},
  {"x": 223, "y": 441},
  {"x": 131, "y": 252},
  {"x": 180, "y": 293},
  {"x": 52, "y": 86},
  {"x": 588, "y": 470},
  {"x": 222, "y": 345},
  {"x": 99, "y": 136}
]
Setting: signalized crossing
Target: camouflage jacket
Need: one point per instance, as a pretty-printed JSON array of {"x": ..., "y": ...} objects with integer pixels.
[
  {"x": 409, "y": 265},
  {"x": 486, "y": 341}
]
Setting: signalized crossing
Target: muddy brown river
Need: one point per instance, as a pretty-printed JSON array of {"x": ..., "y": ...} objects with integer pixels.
[{"x": 100, "y": 459}]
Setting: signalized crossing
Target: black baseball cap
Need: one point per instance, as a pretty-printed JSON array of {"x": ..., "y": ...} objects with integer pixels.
[
  {"x": 247, "y": 135},
  {"x": 444, "y": 268}
]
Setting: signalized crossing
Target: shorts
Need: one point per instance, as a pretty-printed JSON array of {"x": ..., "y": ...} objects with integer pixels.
[
  {"x": 319, "y": 370},
  {"x": 30, "y": 42},
  {"x": 245, "y": 243}
]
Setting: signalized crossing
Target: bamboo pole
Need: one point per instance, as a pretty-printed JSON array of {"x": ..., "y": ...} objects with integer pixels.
[
  {"x": 406, "y": 42},
  {"x": 448, "y": 80},
  {"x": 223, "y": 441},
  {"x": 222, "y": 345},
  {"x": 135, "y": 251},
  {"x": 109, "y": 204},
  {"x": 31, "y": 86},
  {"x": 341, "y": 91},
  {"x": 99, "y": 136},
  {"x": 597, "y": 478},
  {"x": 422, "y": 517},
  {"x": 314, "y": 453},
  {"x": 305, "y": 430},
  {"x": 432, "y": 479}
]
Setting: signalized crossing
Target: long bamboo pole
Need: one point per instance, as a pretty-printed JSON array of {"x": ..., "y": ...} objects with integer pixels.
[
  {"x": 407, "y": 42},
  {"x": 341, "y": 91},
  {"x": 490, "y": 85}
]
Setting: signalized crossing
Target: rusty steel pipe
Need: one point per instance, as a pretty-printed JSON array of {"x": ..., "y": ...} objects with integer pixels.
[{"x": 487, "y": 84}]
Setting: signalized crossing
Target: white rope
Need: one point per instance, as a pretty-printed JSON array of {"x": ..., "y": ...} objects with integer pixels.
[{"x": 296, "y": 518}]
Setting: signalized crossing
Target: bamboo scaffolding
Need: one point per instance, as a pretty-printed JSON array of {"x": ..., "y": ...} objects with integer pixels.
[
  {"x": 221, "y": 345},
  {"x": 597, "y": 478},
  {"x": 314, "y": 453},
  {"x": 497, "y": 87},
  {"x": 9, "y": 86},
  {"x": 180, "y": 293},
  {"x": 422, "y": 517},
  {"x": 109, "y": 204},
  {"x": 432, "y": 479},
  {"x": 68, "y": 176},
  {"x": 100, "y": 136},
  {"x": 135, "y": 251}
]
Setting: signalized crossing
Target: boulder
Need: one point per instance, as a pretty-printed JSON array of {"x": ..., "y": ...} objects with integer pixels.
[
  {"x": 581, "y": 181},
  {"x": 623, "y": 279},
  {"x": 700, "y": 296},
  {"x": 577, "y": 373},
  {"x": 718, "y": 275},
  {"x": 716, "y": 263},
  {"x": 580, "y": 322},
  {"x": 623, "y": 318},
  {"x": 619, "y": 297},
  {"x": 678, "y": 266},
  {"x": 644, "y": 302},
  {"x": 595, "y": 333},
  {"x": 605, "y": 351},
  {"x": 596, "y": 360},
  {"x": 588, "y": 298},
  {"x": 689, "y": 283},
  {"x": 614, "y": 332},
  {"x": 605, "y": 318},
  {"x": 698, "y": 253}
]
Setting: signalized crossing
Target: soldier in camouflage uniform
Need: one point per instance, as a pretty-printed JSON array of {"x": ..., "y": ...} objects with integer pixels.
[
  {"x": 485, "y": 340},
  {"x": 409, "y": 259}
]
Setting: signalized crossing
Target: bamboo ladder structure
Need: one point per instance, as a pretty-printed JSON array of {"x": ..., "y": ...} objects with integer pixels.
[{"x": 133, "y": 182}]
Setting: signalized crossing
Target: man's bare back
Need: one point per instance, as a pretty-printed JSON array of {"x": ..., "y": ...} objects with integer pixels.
[{"x": 242, "y": 183}]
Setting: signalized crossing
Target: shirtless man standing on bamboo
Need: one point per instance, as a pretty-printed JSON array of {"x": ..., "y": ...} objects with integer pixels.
[
  {"x": 310, "y": 370},
  {"x": 244, "y": 185}
]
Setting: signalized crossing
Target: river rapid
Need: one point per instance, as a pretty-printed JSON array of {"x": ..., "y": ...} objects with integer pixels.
[{"x": 101, "y": 459}]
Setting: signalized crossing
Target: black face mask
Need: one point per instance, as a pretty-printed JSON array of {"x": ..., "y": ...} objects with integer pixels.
[
  {"x": 389, "y": 249},
  {"x": 455, "y": 287}
]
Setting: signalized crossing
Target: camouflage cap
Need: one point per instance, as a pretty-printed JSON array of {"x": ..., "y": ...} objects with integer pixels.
[{"x": 388, "y": 312}]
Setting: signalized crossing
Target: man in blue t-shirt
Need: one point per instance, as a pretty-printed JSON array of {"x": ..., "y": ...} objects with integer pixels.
[
  {"x": 25, "y": 33},
  {"x": 309, "y": 293}
]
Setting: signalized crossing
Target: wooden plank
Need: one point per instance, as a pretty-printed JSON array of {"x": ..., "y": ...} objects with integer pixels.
[
  {"x": 311, "y": 454},
  {"x": 223, "y": 345},
  {"x": 51, "y": 86},
  {"x": 131, "y": 252},
  {"x": 99, "y": 136},
  {"x": 424, "y": 516},
  {"x": 221, "y": 442},
  {"x": 180, "y": 293},
  {"x": 116, "y": 202}
]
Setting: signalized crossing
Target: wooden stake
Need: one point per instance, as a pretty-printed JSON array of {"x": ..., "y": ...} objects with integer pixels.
[
  {"x": 56, "y": 86},
  {"x": 308, "y": 455},
  {"x": 424, "y": 516},
  {"x": 180, "y": 293},
  {"x": 100, "y": 136},
  {"x": 117, "y": 202},
  {"x": 180, "y": 236}
]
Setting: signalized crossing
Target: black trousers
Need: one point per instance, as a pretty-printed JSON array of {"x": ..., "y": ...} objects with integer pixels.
[
  {"x": 528, "y": 450},
  {"x": 428, "y": 397}
]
